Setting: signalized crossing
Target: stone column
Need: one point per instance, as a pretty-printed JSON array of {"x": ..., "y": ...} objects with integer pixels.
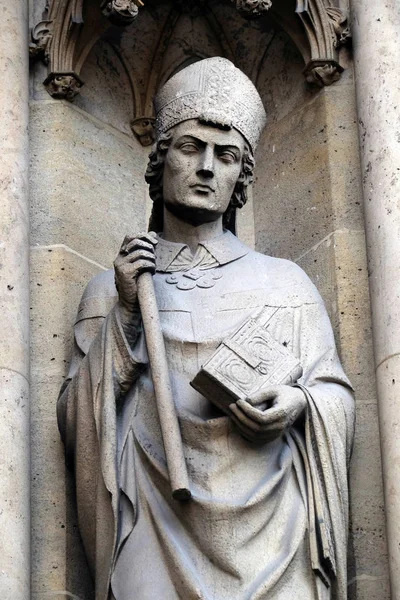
[
  {"x": 14, "y": 303},
  {"x": 376, "y": 30}
]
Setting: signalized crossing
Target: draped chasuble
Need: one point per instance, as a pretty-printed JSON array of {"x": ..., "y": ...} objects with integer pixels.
[{"x": 267, "y": 521}]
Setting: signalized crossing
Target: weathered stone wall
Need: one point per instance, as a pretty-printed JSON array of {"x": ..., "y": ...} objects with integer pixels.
[
  {"x": 87, "y": 192},
  {"x": 14, "y": 304}
]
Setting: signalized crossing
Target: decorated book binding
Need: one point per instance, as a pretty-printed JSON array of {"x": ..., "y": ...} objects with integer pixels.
[{"x": 244, "y": 363}]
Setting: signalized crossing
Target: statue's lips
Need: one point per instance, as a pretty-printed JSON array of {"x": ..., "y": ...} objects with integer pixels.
[{"x": 201, "y": 187}]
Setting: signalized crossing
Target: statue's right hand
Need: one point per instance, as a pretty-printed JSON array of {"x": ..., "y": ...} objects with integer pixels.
[{"x": 136, "y": 256}]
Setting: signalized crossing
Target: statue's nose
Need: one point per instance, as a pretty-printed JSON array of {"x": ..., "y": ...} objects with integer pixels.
[{"x": 206, "y": 166}]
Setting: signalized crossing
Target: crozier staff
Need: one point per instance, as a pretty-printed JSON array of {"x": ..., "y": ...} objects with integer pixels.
[
  {"x": 269, "y": 513},
  {"x": 175, "y": 459}
]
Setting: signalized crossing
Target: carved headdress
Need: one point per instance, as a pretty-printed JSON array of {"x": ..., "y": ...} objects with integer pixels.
[{"x": 214, "y": 91}]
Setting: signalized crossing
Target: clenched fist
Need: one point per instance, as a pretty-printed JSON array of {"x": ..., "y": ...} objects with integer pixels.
[
  {"x": 135, "y": 257},
  {"x": 269, "y": 413}
]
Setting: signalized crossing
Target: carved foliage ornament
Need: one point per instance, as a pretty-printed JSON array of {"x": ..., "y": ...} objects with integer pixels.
[
  {"x": 63, "y": 86},
  {"x": 143, "y": 130},
  {"x": 60, "y": 40},
  {"x": 121, "y": 12},
  {"x": 340, "y": 24},
  {"x": 40, "y": 37},
  {"x": 322, "y": 73},
  {"x": 252, "y": 8}
]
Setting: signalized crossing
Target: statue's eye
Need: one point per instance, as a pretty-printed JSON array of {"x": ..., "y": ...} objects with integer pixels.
[
  {"x": 228, "y": 157},
  {"x": 189, "y": 147}
]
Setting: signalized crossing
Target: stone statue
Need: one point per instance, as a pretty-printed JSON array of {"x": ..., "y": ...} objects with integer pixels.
[{"x": 268, "y": 516}]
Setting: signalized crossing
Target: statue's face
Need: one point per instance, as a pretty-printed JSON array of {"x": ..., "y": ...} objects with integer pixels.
[{"x": 201, "y": 169}]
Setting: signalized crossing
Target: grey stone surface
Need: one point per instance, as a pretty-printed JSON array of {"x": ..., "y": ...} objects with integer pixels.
[
  {"x": 14, "y": 490},
  {"x": 14, "y": 304},
  {"x": 280, "y": 80},
  {"x": 91, "y": 190},
  {"x": 105, "y": 77},
  {"x": 57, "y": 281},
  {"x": 338, "y": 267},
  {"x": 245, "y": 222},
  {"x": 309, "y": 183},
  {"x": 377, "y": 51}
]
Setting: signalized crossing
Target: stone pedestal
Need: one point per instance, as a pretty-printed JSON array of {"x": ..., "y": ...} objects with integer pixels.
[
  {"x": 377, "y": 58},
  {"x": 14, "y": 304}
]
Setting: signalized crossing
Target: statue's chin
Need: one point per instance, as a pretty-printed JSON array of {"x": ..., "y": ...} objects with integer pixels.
[{"x": 193, "y": 214}]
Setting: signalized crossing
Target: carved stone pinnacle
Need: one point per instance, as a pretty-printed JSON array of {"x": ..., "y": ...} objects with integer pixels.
[{"x": 63, "y": 86}]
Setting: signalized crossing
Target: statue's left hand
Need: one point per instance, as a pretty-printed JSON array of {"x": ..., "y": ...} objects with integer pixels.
[{"x": 269, "y": 413}]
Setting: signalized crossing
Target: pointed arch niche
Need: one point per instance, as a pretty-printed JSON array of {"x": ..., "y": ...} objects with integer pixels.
[
  {"x": 70, "y": 28},
  {"x": 102, "y": 61}
]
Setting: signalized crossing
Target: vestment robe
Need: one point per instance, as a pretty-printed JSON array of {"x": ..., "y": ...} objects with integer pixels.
[{"x": 266, "y": 522}]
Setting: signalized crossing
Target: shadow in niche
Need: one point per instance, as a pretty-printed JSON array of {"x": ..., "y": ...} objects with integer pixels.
[
  {"x": 351, "y": 559},
  {"x": 79, "y": 582}
]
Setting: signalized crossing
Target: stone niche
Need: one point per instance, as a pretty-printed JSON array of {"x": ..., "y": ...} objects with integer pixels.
[{"x": 87, "y": 191}]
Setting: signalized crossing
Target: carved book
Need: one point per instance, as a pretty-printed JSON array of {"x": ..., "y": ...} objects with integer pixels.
[{"x": 244, "y": 363}]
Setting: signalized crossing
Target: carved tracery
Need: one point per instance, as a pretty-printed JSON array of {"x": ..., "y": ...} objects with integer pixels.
[
  {"x": 64, "y": 39},
  {"x": 70, "y": 28}
]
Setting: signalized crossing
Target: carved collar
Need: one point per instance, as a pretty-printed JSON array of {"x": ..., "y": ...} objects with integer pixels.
[{"x": 224, "y": 249}]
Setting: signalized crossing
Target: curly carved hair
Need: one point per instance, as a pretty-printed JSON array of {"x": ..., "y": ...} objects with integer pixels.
[{"x": 154, "y": 177}]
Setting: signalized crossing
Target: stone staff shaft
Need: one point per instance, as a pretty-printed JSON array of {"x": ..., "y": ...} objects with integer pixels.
[{"x": 162, "y": 387}]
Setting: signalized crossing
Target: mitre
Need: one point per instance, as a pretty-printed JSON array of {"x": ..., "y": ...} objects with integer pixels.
[{"x": 213, "y": 91}]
